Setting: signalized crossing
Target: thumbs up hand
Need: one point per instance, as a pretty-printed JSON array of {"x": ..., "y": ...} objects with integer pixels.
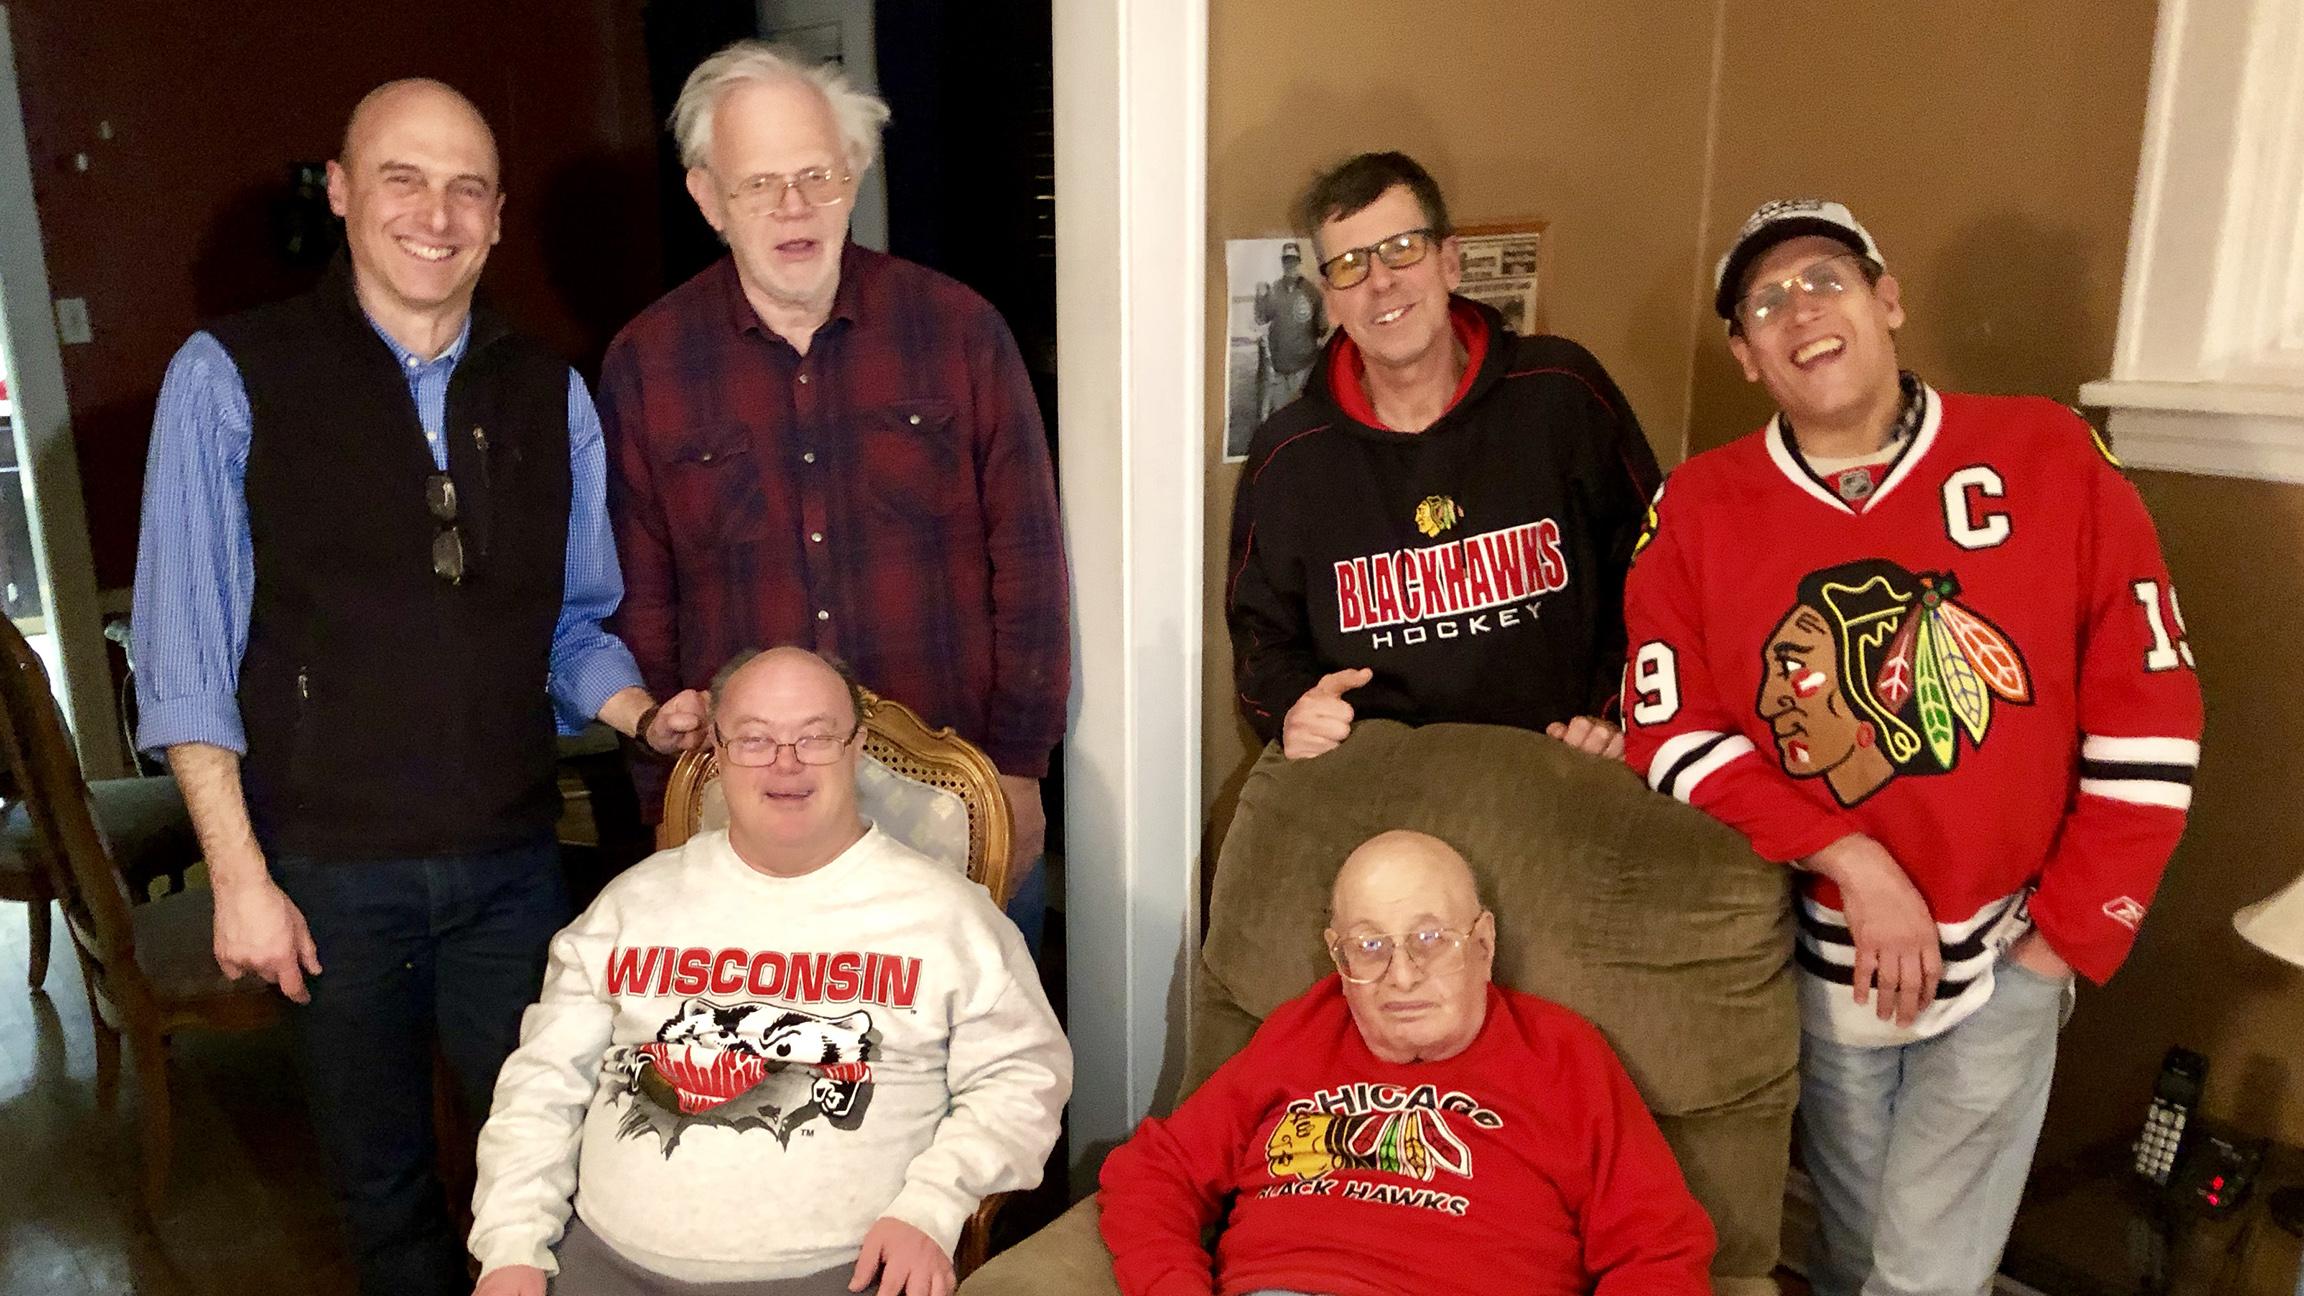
[{"x": 1321, "y": 718}]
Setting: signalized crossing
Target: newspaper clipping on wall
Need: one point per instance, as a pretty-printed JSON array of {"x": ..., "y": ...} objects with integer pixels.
[{"x": 1503, "y": 266}]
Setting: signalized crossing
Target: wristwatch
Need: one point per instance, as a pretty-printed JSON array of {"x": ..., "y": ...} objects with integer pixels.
[{"x": 640, "y": 730}]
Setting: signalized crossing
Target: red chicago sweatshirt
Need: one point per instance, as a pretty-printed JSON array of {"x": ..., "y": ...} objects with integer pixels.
[{"x": 1526, "y": 1163}]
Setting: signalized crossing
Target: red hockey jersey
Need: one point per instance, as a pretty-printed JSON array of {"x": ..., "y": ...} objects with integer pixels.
[{"x": 1980, "y": 664}]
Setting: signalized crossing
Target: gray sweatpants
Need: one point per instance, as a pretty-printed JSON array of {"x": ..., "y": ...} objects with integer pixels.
[{"x": 590, "y": 1267}]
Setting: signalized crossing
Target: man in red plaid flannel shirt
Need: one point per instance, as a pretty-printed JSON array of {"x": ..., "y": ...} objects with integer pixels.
[{"x": 818, "y": 444}]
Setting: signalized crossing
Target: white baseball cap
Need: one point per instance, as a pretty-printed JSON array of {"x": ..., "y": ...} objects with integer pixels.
[{"x": 1775, "y": 222}]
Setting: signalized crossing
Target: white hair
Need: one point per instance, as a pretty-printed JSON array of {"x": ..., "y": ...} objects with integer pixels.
[{"x": 858, "y": 115}]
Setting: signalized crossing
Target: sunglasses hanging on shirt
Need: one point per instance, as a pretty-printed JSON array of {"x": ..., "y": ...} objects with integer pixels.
[{"x": 447, "y": 542}]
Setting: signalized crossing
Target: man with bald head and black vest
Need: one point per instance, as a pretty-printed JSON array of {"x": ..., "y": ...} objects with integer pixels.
[{"x": 373, "y": 566}]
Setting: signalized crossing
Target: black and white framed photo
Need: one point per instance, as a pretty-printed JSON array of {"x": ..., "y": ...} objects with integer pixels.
[{"x": 1276, "y": 326}]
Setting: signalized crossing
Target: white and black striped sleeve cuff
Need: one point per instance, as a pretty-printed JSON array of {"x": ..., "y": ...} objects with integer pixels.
[
  {"x": 2140, "y": 771},
  {"x": 1683, "y": 763}
]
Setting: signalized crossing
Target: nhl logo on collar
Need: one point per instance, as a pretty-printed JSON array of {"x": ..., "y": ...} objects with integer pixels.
[
  {"x": 1855, "y": 484},
  {"x": 1436, "y": 514}
]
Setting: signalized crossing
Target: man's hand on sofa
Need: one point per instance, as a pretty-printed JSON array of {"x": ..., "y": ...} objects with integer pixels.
[
  {"x": 1896, "y": 943},
  {"x": 906, "y": 1261},
  {"x": 1321, "y": 718},
  {"x": 1590, "y": 735}
]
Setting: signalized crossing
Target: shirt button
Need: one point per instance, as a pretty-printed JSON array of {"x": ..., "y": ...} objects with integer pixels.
[
  {"x": 815, "y": 537},
  {"x": 705, "y": 457},
  {"x": 807, "y": 456},
  {"x": 823, "y": 615},
  {"x": 803, "y": 380},
  {"x": 914, "y": 420}
]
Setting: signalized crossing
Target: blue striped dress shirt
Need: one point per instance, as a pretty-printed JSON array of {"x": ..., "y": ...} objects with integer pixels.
[{"x": 196, "y": 564}]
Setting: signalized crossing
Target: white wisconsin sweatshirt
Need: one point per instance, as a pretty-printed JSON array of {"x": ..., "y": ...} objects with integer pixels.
[{"x": 736, "y": 1074}]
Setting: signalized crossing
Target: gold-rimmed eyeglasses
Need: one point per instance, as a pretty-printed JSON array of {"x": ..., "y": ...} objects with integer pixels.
[
  {"x": 818, "y": 186},
  {"x": 753, "y": 751},
  {"x": 1365, "y": 958},
  {"x": 1347, "y": 268}
]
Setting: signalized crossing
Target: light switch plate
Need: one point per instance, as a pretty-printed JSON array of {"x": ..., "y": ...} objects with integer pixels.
[{"x": 72, "y": 321}]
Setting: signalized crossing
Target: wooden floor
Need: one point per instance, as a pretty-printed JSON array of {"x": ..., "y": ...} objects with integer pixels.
[{"x": 246, "y": 1213}]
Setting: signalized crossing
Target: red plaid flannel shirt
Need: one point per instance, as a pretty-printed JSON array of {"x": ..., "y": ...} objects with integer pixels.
[{"x": 886, "y": 498}]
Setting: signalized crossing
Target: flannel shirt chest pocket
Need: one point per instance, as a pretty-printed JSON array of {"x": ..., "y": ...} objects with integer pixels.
[
  {"x": 914, "y": 459},
  {"x": 709, "y": 480}
]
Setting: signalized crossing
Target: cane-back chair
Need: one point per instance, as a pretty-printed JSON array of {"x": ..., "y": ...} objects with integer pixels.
[{"x": 904, "y": 745}]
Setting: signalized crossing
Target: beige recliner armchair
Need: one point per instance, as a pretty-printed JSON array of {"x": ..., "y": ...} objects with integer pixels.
[{"x": 1644, "y": 915}]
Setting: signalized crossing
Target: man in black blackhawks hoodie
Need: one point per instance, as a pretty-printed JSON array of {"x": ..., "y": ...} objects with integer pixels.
[{"x": 1438, "y": 529}]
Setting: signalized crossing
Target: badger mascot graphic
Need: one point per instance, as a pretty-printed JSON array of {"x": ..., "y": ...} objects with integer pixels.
[{"x": 746, "y": 1066}]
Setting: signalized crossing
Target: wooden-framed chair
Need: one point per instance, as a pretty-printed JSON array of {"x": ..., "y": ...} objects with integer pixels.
[
  {"x": 142, "y": 817},
  {"x": 896, "y": 737},
  {"x": 150, "y": 969},
  {"x": 24, "y": 879}
]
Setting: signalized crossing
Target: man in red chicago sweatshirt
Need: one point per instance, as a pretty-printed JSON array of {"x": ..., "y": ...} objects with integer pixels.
[{"x": 1407, "y": 1128}]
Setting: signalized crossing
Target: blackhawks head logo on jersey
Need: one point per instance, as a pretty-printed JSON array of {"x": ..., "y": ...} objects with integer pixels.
[{"x": 1875, "y": 672}]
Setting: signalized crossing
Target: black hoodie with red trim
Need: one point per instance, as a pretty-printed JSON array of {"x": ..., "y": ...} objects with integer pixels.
[{"x": 1477, "y": 566}]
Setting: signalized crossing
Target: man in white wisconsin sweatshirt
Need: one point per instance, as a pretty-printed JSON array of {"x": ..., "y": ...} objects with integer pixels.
[{"x": 787, "y": 1058}]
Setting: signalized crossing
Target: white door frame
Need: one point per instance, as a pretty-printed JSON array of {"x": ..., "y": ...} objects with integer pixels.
[
  {"x": 1131, "y": 257},
  {"x": 51, "y": 463}
]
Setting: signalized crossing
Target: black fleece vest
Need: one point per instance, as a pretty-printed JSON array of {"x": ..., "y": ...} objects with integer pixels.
[{"x": 388, "y": 712}]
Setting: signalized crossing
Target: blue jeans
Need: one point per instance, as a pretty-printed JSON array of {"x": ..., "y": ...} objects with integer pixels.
[
  {"x": 1919, "y": 1152},
  {"x": 444, "y": 951},
  {"x": 1028, "y": 905}
]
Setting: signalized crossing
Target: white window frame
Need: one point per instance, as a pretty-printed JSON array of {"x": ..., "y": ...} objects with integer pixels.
[{"x": 2208, "y": 372}]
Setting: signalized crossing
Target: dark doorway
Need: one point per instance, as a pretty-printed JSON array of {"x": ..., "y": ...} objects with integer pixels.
[
  {"x": 971, "y": 157},
  {"x": 681, "y": 34}
]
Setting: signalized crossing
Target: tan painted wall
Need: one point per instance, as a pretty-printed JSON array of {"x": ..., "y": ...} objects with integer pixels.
[{"x": 1992, "y": 149}]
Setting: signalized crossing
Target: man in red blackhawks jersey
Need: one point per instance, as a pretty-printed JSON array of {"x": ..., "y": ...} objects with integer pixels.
[
  {"x": 1437, "y": 529},
  {"x": 1923, "y": 647},
  {"x": 1408, "y": 1128}
]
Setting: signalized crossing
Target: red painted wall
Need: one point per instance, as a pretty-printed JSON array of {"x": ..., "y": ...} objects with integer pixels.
[{"x": 209, "y": 103}]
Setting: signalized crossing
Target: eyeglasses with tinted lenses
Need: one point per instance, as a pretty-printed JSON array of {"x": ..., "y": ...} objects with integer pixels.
[
  {"x": 1363, "y": 959},
  {"x": 753, "y": 751},
  {"x": 1402, "y": 250},
  {"x": 818, "y": 186},
  {"x": 1829, "y": 277},
  {"x": 447, "y": 542}
]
